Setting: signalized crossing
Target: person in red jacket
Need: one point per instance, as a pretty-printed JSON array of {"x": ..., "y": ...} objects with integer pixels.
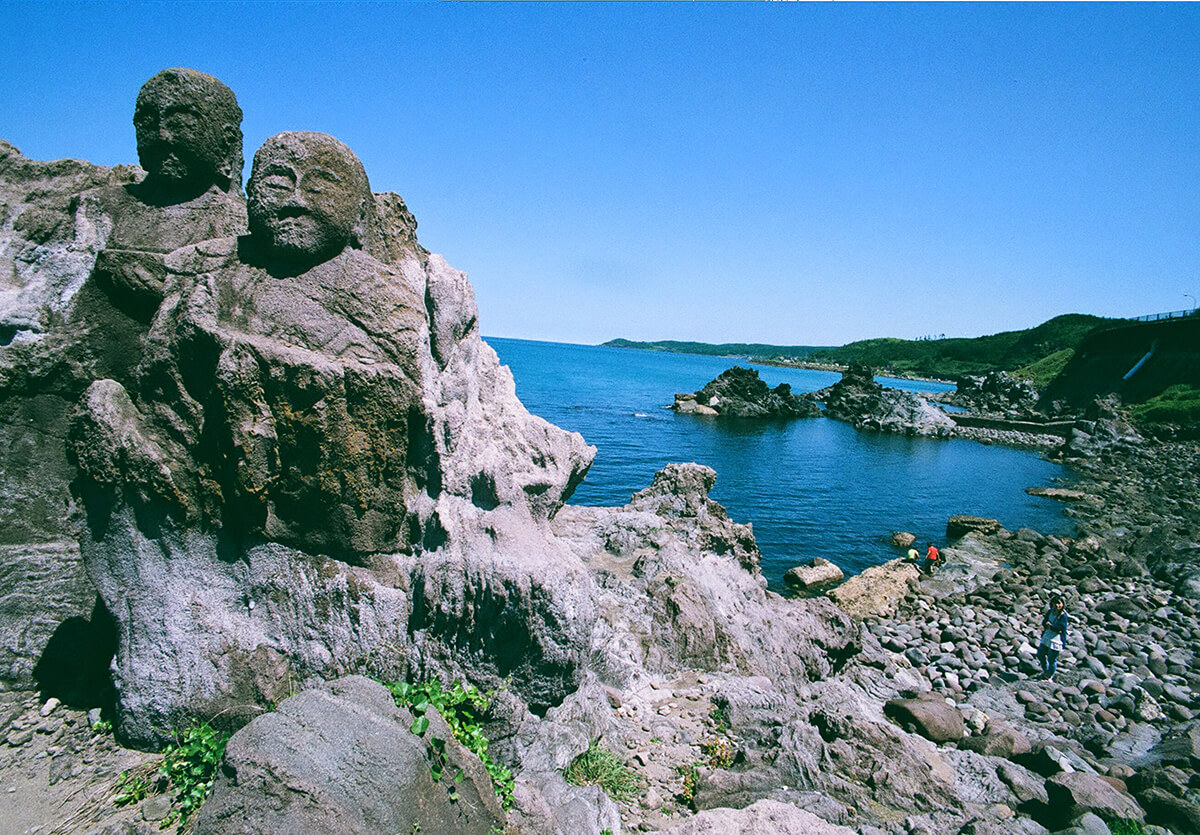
[{"x": 932, "y": 558}]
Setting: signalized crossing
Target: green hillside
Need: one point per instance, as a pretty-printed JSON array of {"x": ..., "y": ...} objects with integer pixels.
[
  {"x": 950, "y": 358},
  {"x": 1036, "y": 353},
  {"x": 750, "y": 350}
]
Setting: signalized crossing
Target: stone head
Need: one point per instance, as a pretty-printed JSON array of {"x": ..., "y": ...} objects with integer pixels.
[
  {"x": 189, "y": 134},
  {"x": 308, "y": 198}
]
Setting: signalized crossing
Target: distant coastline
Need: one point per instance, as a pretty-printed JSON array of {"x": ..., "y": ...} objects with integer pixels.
[{"x": 1037, "y": 354}]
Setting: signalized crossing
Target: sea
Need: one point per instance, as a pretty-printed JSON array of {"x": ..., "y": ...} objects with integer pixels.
[{"x": 811, "y": 487}]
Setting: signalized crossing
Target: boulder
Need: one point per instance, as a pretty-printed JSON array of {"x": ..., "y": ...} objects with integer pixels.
[
  {"x": 877, "y": 590},
  {"x": 999, "y": 740},
  {"x": 1164, "y": 809},
  {"x": 904, "y": 539},
  {"x": 739, "y": 392},
  {"x": 766, "y": 817},
  {"x": 1071, "y": 794},
  {"x": 1061, "y": 494},
  {"x": 959, "y": 526},
  {"x": 928, "y": 715},
  {"x": 1180, "y": 748},
  {"x": 341, "y": 758},
  {"x": 819, "y": 572}
]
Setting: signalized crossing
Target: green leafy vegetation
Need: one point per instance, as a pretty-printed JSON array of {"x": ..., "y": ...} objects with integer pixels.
[
  {"x": 102, "y": 728},
  {"x": 1178, "y": 404},
  {"x": 1041, "y": 372},
  {"x": 1125, "y": 826},
  {"x": 751, "y": 350},
  {"x": 719, "y": 720},
  {"x": 597, "y": 766},
  {"x": 187, "y": 769},
  {"x": 1036, "y": 352},
  {"x": 463, "y": 707},
  {"x": 951, "y": 358}
]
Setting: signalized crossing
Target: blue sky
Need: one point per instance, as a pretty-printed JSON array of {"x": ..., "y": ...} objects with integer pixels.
[{"x": 778, "y": 172}]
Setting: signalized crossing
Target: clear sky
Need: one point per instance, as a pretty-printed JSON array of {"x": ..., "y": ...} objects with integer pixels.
[{"x": 779, "y": 172}]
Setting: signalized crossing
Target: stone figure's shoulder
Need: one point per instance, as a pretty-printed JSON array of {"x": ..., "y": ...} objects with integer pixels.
[
  {"x": 387, "y": 285},
  {"x": 203, "y": 257}
]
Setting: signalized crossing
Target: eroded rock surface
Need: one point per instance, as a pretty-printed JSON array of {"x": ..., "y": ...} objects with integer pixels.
[
  {"x": 739, "y": 392},
  {"x": 82, "y": 261},
  {"x": 859, "y": 400},
  {"x": 340, "y": 758}
]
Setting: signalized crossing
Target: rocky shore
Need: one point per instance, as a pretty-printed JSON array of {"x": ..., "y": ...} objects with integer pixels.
[
  {"x": 941, "y": 682},
  {"x": 295, "y": 485}
]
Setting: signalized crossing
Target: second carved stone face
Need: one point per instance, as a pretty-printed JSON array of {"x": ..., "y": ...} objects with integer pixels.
[
  {"x": 308, "y": 197},
  {"x": 188, "y": 133}
]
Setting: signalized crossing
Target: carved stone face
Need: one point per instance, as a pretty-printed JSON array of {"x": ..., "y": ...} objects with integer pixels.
[
  {"x": 307, "y": 197},
  {"x": 188, "y": 132}
]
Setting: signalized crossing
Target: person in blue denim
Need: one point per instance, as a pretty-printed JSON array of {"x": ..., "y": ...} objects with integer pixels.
[{"x": 1054, "y": 636}]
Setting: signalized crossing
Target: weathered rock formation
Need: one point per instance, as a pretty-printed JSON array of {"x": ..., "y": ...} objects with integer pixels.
[
  {"x": 340, "y": 758},
  {"x": 859, "y": 400},
  {"x": 82, "y": 265},
  {"x": 739, "y": 392},
  {"x": 287, "y": 447},
  {"x": 1102, "y": 431},
  {"x": 998, "y": 394},
  {"x": 817, "y": 573}
]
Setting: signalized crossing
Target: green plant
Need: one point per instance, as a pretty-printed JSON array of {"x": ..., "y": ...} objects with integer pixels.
[
  {"x": 187, "y": 769},
  {"x": 135, "y": 784},
  {"x": 690, "y": 774},
  {"x": 719, "y": 751},
  {"x": 719, "y": 719},
  {"x": 190, "y": 768},
  {"x": 1125, "y": 826},
  {"x": 462, "y": 707},
  {"x": 102, "y": 727},
  {"x": 1178, "y": 404},
  {"x": 597, "y": 766}
]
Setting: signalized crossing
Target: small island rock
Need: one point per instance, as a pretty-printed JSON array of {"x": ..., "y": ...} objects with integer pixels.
[
  {"x": 858, "y": 399},
  {"x": 739, "y": 392}
]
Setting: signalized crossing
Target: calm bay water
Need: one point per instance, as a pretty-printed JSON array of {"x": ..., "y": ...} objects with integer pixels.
[{"x": 810, "y": 487}]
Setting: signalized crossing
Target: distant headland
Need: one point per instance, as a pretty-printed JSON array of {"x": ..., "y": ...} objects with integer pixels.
[{"x": 1037, "y": 354}]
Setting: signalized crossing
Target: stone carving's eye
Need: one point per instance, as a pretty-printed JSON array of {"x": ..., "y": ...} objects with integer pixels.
[
  {"x": 275, "y": 184},
  {"x": 320, "y": 182},
  {"x": 180, "y": 119}
]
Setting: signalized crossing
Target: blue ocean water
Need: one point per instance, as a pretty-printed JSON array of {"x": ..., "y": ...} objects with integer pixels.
[{"x": 811, "y": 487}]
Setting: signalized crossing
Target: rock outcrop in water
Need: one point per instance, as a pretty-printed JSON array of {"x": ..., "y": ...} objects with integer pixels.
[
  {"x": 858, "y": 399},
  {"x": 739, "y": 392},
  {"x": 998, "y": 394},
  {"x": 310, "y": 466}
]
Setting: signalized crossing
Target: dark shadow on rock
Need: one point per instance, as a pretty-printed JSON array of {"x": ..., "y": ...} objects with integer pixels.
[{"x": 74, "y": 668}]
